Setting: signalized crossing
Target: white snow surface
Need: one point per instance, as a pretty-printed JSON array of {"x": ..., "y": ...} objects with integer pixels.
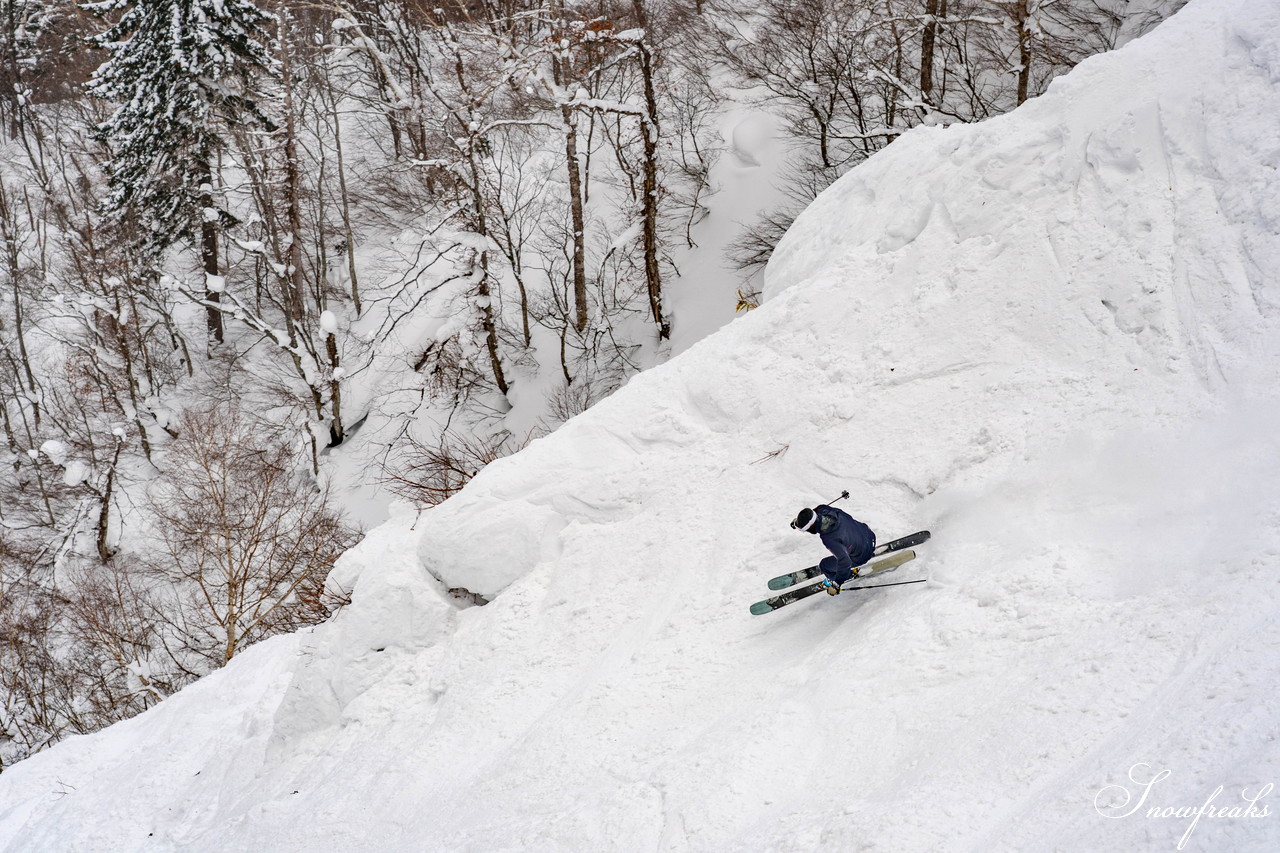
[
  {"x": 1050, "y": 338},
  {"x": 57, "y": 451},
  {"x": 75, "y": 473},
  {"x": 329, "y": 322}
]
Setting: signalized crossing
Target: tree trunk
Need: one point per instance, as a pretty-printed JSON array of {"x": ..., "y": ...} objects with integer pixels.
[
  {"x": 348, "y": 234},
  {"x": 104, "y": 513},
  {"x": 649, "y": 127},
  {"x": 573, "y": 168},
  {"x": 209, "y": 255},
  {"x": 15, "y": 70},
  {"x": 293, "y": 252},
  {"x": 13, "y": 264},
  {"x": 229, "y": 648},
  {"x": 131, "y": 379},
  {"x": 487, "y": 323},
  {"x": 489, "y": 326},
  {"x": 337, "y": 434},
  {"x": 928, "y": 42},
  {"x": 1024, "y": 50}
]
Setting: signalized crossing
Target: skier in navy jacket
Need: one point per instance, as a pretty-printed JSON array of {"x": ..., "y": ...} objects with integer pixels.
[{"x": 850, "y": 542}]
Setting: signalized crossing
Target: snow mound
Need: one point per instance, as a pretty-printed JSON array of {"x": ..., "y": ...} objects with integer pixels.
[{"x": 1050, "y": 338}]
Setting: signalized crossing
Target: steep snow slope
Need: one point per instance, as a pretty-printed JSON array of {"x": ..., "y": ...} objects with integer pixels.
[{"x": 1051, "y": 338}]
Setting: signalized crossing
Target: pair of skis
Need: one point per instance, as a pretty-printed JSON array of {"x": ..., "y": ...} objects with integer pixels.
[{"x": 898, "y": 548}]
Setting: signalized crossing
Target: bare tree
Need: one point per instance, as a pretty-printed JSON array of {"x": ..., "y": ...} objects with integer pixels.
[
  {"x": 430, "y": 473},
  {"x": 822, "y": 62},
  {"x": 246, "y": 542},
  {"x": 852, "y": 76}
]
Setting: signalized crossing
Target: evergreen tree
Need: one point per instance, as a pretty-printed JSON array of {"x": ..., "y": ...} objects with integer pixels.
[{"x": 183, "y": 72}]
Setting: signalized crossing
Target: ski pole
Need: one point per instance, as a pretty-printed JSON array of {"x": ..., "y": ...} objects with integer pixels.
[
  {"x": 878, "y": 585},
  {"x": 843, "y": 495}
]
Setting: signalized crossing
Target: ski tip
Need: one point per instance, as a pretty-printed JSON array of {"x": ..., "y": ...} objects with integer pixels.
[
  {"x": 895, "y": 559},
  {"x": 760, "y": 608},
  {"x": 780, "y": 583}
]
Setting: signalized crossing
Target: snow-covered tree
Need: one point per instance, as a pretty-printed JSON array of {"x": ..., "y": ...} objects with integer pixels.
[
  {"x": 21, "y": 23},
  {"x": 183, "y": 73}
]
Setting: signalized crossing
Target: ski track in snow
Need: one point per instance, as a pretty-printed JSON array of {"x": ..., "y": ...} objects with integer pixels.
[{"x": 1050, "y": 338}]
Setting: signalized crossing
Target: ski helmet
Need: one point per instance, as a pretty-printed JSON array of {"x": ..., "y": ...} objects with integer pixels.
[{"x": 805, "y": 520}]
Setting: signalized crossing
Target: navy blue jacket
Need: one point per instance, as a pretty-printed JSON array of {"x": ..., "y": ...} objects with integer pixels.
[{"x": 850, "y": 542}]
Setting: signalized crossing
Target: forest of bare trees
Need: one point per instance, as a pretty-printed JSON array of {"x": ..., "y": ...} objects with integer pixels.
[{"x": 236, "y": 239}]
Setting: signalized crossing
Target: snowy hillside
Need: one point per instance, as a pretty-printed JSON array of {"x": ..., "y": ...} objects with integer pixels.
[{"x": 1053, "y": 339}]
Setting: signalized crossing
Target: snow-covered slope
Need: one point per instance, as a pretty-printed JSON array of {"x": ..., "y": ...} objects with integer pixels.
[{"x": 1052, "y": 339}]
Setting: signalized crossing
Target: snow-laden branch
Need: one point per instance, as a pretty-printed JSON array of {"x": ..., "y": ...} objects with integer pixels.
[
  {"x": 252, "y": 319},
  {"x": 363, "y": 42}
]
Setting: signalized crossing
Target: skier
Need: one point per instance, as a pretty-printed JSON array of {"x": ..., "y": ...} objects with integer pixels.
[{"x": 850, "y": 542}]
